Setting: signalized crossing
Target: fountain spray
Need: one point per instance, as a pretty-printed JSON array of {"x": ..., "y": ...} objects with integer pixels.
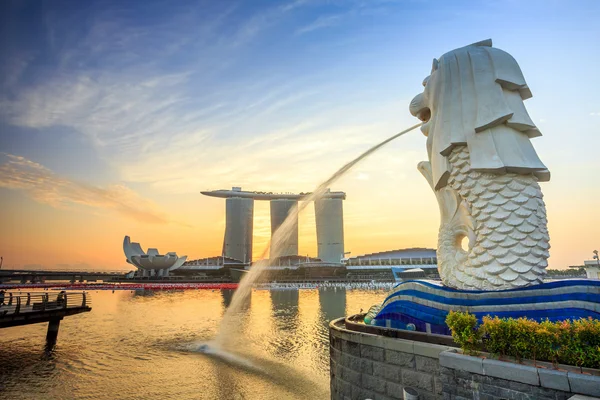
[{"x": 280, "y": 236}]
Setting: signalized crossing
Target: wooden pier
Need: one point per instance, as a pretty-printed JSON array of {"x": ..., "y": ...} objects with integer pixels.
[{"x": 18, "y": 308}]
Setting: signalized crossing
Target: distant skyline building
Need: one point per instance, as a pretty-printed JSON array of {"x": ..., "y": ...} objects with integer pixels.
[
  {"x": 239, "y": 221},
  {"x": 415, "y": 257},
  {"x": 329, "y": 217},
  {"x": 280, "y": 209},
  {"x": 592, "y": 269},
  {"x": 239, "y": 214}
]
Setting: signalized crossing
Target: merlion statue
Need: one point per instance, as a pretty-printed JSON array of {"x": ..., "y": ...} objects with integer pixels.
[{"x": 484, "y": 170}]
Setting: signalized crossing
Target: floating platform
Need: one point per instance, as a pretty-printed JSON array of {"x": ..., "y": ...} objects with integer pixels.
[{"x": 426, "y": 303}]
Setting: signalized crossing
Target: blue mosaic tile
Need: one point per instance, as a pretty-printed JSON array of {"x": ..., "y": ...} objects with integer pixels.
[{"x": 422, "y": 302}]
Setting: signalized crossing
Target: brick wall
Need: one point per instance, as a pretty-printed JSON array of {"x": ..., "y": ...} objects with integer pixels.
[
  {"x": 465, "y": 377},
  {"x": 460, "y": 385},
  {"x": 367, "y": 366}
]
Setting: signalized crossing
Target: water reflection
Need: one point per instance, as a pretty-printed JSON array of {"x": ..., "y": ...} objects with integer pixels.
[
  {"x": 333, "y": 303},
  {"x": 135, "y": 345},
  {"x": 284, "y": 313},
  {"x": 285, "y": 303},
  {"x": 143, "y": 293}
]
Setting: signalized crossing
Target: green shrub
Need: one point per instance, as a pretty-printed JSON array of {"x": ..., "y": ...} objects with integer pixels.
[
  {"x": 546, "y": 338},
  {"x": 580, "y": 343},
  {"x": 496, "y": 334},
  {"x": 510, "y": 337},
  {"x": 464, "y": 331},
  {"x": 568, "y": 342}
]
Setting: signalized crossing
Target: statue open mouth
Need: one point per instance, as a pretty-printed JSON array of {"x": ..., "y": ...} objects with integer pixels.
[
  {"x": 424, "y": 114},
  {"x": 419, "y": 109}
]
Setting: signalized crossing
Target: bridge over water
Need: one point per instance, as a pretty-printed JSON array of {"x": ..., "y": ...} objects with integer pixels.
[
  {"x": 35, "y": 276},
  {"x": 18, "y": 309}
]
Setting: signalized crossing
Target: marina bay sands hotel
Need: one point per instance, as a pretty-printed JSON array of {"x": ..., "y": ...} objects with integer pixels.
[{"x": 239, "y": 216}]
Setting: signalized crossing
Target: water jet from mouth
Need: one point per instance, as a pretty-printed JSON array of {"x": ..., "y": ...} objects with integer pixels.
[{"x": 229, "y": 325}]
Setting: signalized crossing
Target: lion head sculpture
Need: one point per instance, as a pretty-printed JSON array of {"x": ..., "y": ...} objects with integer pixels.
[{"x": 474, "y": 97}]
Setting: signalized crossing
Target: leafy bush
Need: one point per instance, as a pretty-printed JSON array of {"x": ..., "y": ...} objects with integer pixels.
[
  {"x": 569, "y": 342},
  {"x": 464, "y": 331},
  {"x": 547, "y": 341},
  {"x": 511, "y": 337}
]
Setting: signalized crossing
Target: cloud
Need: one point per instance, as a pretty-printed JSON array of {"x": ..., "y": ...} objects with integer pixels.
[
  {"x": 44, "y": 186},
  {"x": 14, "y": 68},
  {"x": 351, "y": 10},
  {"x": 151, "y": 130},
  {"x": 262, "y": 21},
  {"x": 114, "y": 108},
  {"x": 189, "y": 126},
  {"x": 320, "y": 23},
  {"x": 595, "y": 114}
]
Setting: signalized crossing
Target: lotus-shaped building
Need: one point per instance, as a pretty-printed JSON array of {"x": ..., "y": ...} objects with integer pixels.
[{"x": 151, "y": 263}]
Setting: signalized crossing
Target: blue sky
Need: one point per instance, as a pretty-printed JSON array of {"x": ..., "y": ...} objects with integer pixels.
[{"x": 115, "y": 106}]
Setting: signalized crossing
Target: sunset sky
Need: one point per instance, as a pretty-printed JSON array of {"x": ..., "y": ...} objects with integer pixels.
[{"x": 114, "y": 115}]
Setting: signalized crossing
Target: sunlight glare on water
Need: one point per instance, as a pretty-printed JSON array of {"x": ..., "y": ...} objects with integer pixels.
[{"x": 145, "y": 345}]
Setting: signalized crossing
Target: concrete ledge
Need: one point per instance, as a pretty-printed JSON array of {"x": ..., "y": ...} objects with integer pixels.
[
  {"x": 371, "y": 340},
  {"x": 352, "y": 323},
  {"x": 405, "y": 346},
  {"x": 450, "y": 359},
  {"x": 511, "y": 372},
  {"x": 553, "y": 379},
  {"x": 339, "y": 331},
  {"x": 584, "y": 384},
  {"x": 429, "y": 350}
]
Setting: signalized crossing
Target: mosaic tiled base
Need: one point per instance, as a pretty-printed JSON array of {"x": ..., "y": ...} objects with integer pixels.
[{"x": 425, "y": 304}]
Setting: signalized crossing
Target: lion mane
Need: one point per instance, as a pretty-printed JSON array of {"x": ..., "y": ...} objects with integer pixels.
[{"x": 475, "y": 97}]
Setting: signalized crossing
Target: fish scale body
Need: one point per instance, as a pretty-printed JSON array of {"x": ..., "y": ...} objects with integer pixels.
[{"x": 509, "y": 223}]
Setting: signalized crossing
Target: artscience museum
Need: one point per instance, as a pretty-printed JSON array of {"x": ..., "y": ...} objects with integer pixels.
[{"x": 151, "y": 263}]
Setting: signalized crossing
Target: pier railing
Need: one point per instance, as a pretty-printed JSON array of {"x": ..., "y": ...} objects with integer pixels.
[{"x": 21, "y": 303}]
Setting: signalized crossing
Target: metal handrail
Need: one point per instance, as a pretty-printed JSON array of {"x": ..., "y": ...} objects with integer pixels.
[{"x": 22, "y": 303}]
